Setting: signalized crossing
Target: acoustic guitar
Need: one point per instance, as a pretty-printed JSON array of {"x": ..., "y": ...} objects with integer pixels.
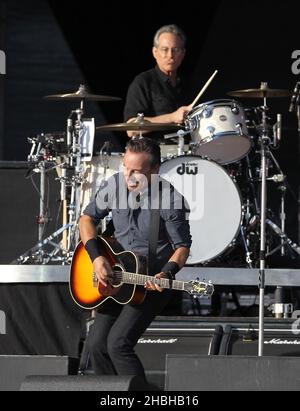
[{"x": 128, "y": 282}]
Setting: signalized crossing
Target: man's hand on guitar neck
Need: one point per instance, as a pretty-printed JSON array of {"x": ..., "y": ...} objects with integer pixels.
[
  {"x": 150, "y": 286},
  {"x": 103, "y": 271}
]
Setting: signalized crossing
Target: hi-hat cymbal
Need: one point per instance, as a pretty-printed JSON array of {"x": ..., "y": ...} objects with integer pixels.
[
  {"x": 81, "y": 94},
  {"x": 143, "y": 125},
  {"x": 262, "y": 92}
]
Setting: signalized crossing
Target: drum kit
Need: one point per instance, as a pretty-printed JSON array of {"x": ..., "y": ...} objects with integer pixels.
[{"x": 216, "y": 172}]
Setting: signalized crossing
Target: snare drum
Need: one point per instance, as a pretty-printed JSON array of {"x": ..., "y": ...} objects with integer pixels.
[
  {"x": 219, "y": 131},
  {"x": 214, "y": 201}
]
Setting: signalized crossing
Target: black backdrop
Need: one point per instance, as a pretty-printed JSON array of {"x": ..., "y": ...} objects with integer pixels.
[{"x": 53, "y": 46}]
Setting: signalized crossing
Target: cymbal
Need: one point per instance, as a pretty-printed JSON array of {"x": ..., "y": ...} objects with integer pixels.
[
  {"x": 263, "y": 92},
  {"x": 143, "y": 125},
  {"x": 81, "y": 94}
]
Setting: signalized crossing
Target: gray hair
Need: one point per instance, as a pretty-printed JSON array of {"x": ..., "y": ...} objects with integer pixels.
[{"x": 170, "y": 28}]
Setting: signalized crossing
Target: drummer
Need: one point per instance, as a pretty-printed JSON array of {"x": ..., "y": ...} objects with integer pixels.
[{"x": 158, "y": 93}]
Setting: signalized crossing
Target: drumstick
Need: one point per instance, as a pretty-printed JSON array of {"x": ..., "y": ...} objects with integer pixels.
[{"x": 204, "y": 88}]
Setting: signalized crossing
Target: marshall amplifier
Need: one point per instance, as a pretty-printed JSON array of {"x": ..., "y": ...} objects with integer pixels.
[
  {"x": 172, "y": 337},
  {"x": 214, "y": 336},
  {"x": 281, "y": 338},
  {"x": 177, "y": 335}
]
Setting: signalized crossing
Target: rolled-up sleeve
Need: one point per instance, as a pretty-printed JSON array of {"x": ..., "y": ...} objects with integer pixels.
[
  {"x": 178, "y": 228},
  {"x": 175, "y": 213},
  {"x": 93, "y": 211}
]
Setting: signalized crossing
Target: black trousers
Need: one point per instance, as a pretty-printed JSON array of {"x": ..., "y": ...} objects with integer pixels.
[{"x": 116, "y": 330}]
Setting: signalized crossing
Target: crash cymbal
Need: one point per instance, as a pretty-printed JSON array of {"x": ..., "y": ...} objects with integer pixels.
[
  {"x": 263, "y": 92},
  {"x": 81, "y": 94},
  {"x": 139, "y": 126}
]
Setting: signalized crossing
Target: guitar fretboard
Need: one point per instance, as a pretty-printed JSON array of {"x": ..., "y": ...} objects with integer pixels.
[{"x": 140, "y": 279}]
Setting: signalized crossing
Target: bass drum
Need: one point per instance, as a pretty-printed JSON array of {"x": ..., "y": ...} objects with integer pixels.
[{"x": 214, "y": 201}]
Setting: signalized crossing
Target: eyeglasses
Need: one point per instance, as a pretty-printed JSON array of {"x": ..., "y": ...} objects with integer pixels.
[{"x": 165, "y": 50}]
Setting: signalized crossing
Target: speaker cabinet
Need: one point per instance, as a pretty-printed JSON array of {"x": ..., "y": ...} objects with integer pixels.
[
  {"x": 233, "y": 373},
  {"x": 177, "y": 336},
  {"x": 14, "y": 368}
]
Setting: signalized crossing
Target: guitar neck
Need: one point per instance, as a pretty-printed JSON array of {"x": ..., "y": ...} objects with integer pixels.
[{"x": 140, "y": 279}]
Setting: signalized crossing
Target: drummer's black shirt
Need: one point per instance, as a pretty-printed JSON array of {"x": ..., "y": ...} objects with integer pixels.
[{"x": 153, "y": 94}]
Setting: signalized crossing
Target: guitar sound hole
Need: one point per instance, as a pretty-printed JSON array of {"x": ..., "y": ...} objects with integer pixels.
[{"x": 117, "y": 277}]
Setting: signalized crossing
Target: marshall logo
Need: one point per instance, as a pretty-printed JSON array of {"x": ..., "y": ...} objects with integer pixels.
[
  {"x": 2, "y": 62},
  {"x": 157, "y": 341},
  {"x": 187, "y": 168},
  {"x": 278, "y": 341}
]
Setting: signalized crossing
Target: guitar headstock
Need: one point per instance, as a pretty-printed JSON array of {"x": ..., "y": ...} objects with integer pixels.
[{"x": 199, "y": 288}]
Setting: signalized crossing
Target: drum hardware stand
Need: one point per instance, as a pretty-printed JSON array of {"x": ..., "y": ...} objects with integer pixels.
[
  {"x": 251, "y": 179},
  {"x": 282, "y": 189},
  {"x": 180, "y": 140},
  {"x": 104, "y": 156},
  {"x": 34, "y": 252},
  {"x": 73, "y": 132},
  {"x": 104, "y": 161},
  {"x": 38, "y": 160},
  {"x": 284, "y": 239},
  {"x": 70, "y": 223},
  {"x": 249, "y": 260},
  {"x": 264, "y": 147}
]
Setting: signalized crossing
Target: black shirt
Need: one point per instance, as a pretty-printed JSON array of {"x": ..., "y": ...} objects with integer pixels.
[
  {"x": 132, "y": 219},
  {"x": 152, "y": 94}
]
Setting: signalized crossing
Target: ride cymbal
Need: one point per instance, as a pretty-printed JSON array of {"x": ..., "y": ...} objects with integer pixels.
[
  {"x": 139, "y": 126},
  {"x": 81, "y": 94},
  {"x": 262, "y": 92}
]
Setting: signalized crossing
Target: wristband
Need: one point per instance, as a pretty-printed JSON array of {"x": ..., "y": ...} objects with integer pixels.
[
  {"x": 92, "y": 249},
  {"x": 170, "y": 268}
]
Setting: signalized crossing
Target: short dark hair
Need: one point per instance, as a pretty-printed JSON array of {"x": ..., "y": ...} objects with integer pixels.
[{"x": 145, "y": 145}]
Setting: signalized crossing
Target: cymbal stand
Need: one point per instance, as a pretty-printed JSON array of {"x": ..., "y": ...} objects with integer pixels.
[
  {"x": 264, "y": 147},
  {"x": 78, "y": 177},
  {"x": 280, "y": 178}
]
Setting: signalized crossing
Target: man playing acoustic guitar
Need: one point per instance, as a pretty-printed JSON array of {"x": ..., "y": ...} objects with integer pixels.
[{"x": 118, "y": 327}]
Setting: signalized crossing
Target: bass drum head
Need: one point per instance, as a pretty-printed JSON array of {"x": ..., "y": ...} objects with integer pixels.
[{"x": 214, "y": 201}]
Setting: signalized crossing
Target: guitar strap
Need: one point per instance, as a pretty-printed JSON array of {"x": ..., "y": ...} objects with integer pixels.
[
  {"x": 153, "y": 234},
  {"x": 110, "y": 229}
]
